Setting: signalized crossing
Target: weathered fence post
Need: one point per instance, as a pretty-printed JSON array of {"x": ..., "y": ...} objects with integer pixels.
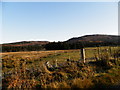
[
  {"x": 82, "y": 50},
  {"x": 99, "y": 53},
  {"x": 110, "y": 50},
  {"x": 56, "y": 65}
]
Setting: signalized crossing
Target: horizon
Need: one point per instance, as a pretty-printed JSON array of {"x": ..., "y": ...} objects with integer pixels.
[
  {"x": 57, "y": 21},
  {"x": 55, "y": 41}
]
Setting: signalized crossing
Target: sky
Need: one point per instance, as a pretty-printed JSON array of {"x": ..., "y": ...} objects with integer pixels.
[{"x": 56, "y": 21}]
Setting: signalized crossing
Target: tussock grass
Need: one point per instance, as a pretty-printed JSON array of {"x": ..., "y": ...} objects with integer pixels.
[{"x": 28, "y": 69}]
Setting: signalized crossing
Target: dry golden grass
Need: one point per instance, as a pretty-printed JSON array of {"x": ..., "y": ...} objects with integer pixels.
[
  {"x": 82, "y": 83},
  {"x": 28, "y": 69}
]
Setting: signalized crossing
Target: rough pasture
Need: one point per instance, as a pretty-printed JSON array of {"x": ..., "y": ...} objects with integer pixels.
[{"x": 28, "y": 69}]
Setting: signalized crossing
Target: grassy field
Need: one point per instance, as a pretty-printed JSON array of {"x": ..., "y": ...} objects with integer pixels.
[{"x": 64, "y": 68}]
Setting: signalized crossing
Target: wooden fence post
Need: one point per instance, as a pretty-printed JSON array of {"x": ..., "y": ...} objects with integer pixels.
[
  {"x": 56, "y": 65},
  {"x": 82, "y": 50}
]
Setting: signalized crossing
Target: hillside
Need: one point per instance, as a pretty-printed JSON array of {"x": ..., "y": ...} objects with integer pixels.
[
  {"x": 95, "y": 38},
  {"x": 26, "y": 43},
  {"x": 24, "y": 46},
  {"x": 85, "y": 41},
  {"x": 73, "y": 43}
]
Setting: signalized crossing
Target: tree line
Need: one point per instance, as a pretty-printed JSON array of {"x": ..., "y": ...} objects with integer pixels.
[
  {"x": 57, "y": 46},
  {"x": 22, "y": 48},
  {"x": 77, "y": 45}
]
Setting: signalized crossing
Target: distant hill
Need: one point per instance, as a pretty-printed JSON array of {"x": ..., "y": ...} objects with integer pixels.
[
  {"x": 26, "y": 43},
  {"x": 96, "y": 38},
  {"x": 73, "y": 43},
  {"x": 24, "y": 46}
]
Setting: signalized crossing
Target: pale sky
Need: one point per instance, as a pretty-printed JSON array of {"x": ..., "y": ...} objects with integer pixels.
[{"x": 57, "y": 21}]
